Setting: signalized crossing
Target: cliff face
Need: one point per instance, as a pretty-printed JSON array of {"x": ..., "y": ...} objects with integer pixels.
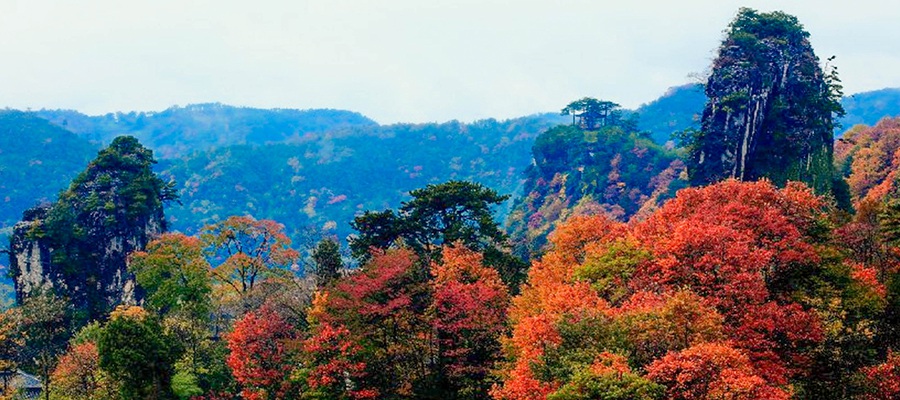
[
  {"x": 30, "y": 258},
  {"x": 101, "y": 286},
  {"x": 78, "y": 246},
  {"x": 769, "y": 113}
]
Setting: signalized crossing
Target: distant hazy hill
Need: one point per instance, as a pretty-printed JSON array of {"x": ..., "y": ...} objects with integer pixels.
[
  {"x": 676, "y": 110},
  {"x": 179, "y": 130},
  {"x": 37, "y": 160},
  {"x": 870, "y": 107}
]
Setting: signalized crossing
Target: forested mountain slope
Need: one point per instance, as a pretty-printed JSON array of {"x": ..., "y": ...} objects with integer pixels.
[
  {"x": 676, "y": 110},
  {"x": 37, "y": 160},
  {"x": 870, "y": 107},
  {"x": 760, "y": 282},
  {"x": 612, "y": 171},
  {"x": 320, "y": 183},
  {"x": 290, "y": 164}
]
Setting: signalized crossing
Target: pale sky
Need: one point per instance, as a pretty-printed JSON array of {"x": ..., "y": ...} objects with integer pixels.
[{"x": 398, "y": 60}]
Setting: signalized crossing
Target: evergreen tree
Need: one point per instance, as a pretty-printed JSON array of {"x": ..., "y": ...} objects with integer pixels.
[
  {"x": 327, "y": 262},
  {"x": 438, "y": 215}
]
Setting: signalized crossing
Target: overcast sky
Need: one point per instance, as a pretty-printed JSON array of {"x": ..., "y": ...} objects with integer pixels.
[{"x": 398, "y": 61}]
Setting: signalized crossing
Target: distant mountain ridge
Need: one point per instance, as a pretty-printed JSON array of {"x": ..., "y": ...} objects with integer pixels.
[
  {"x": 177, "y": 131},
  {"x": 320, "y": 184},
  {"x": 868, "y": 108},
  {"x": 682, "y": 106},
  {"x": 676, "y": 110},
  {"x": 37, "y": 160}
]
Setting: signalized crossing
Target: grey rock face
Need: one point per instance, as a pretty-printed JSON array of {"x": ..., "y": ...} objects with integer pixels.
[{"x": 94, "y": 289}]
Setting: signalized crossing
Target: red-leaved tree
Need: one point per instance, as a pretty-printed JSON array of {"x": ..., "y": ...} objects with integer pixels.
[
  {"x": 741, "y": 246},
  {"x": 469, "y": 307},
  {"x": 260, "y": 355},
  {"x": 882, "y": 381},
  {"x": 338, "y": 370},
  {"x": 397, "y": 328}
]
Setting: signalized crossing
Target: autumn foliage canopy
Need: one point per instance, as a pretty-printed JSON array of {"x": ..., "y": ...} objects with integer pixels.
[{"x": 706, "y": 297}]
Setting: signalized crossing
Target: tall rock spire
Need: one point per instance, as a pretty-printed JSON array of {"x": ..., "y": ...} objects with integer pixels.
[
  {"x": 78, "y": 246},
  {"x": 770, "y": 107}
]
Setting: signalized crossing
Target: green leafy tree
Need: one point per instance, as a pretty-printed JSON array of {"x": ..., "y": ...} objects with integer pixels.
[
  {"x": 175, "y": 275},
  {"x": 327, "y": 262},
  {"x": 455, "y": 211},
  {"x": 136, "y": 352},
  {"x": 442, "y": 214},
  {"x": 45, "y": 328},
  {"x": 588, "y": 385},
  {"x": 591, "y": 113}
]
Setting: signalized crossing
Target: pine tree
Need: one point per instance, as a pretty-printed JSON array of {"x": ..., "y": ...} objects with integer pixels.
[{"x": 327, "y": 259}]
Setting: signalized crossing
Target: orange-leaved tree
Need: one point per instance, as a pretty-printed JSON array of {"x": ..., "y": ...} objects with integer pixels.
[
  {"x": 711, "y": 371},
  {"x": 245, "y": 251},
  {"x": 78, "y": 375},
  {"x": 553, "y": 295}
]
